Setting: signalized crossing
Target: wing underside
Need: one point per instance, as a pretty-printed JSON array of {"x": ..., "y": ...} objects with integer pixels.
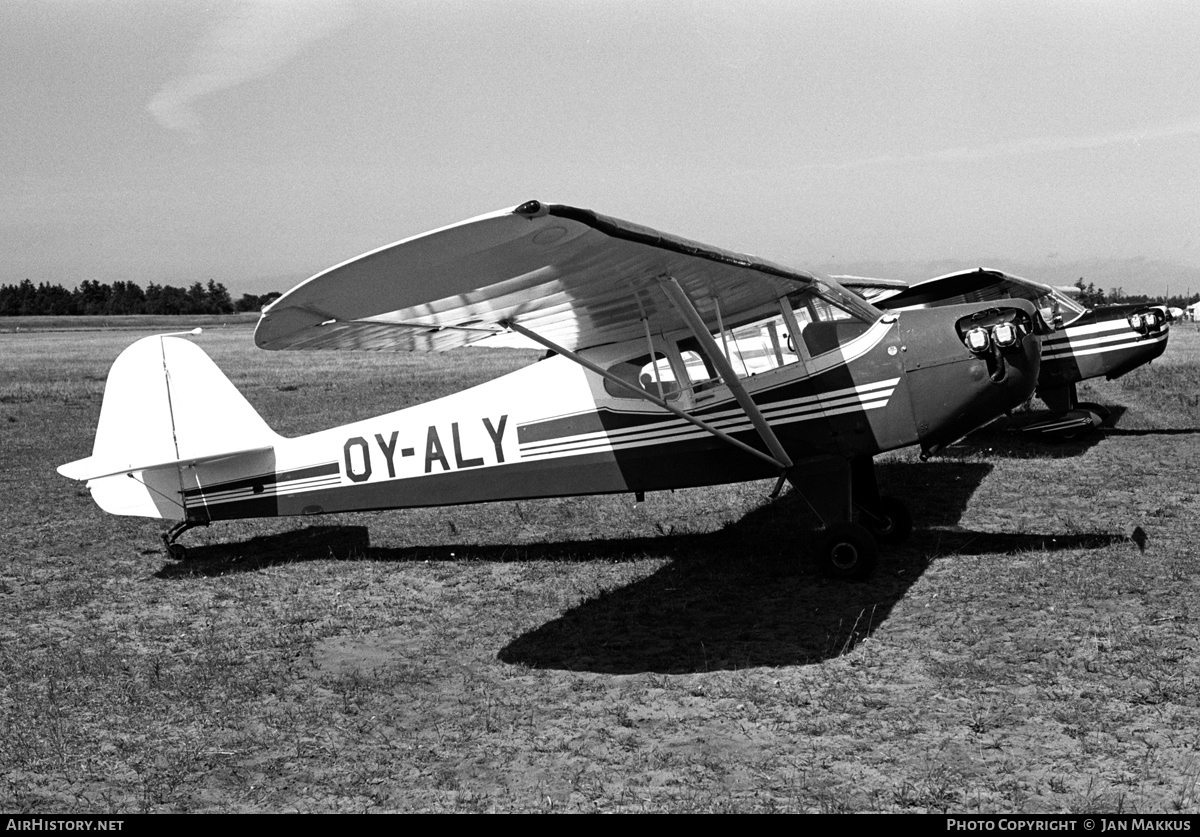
[{"x": 571, "y": 275}]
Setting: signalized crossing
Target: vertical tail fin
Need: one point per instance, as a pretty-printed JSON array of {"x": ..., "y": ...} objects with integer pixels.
[{"x": 166, "y": 405}]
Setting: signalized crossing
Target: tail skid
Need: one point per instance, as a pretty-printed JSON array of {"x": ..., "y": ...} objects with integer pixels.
[{"x": 167, "y": 409}]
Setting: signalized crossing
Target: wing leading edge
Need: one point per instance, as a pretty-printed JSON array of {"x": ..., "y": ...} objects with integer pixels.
[
  {"x": 978, "y": 285},
  {"x": 576, "y": 277}
]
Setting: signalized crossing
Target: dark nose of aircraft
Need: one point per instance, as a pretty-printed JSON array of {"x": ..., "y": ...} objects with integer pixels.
[{"x": 967, "y": 364}]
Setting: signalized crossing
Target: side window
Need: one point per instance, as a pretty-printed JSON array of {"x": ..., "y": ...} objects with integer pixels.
[
  {"x": 646, "y": 373},
  {"x": 760, "y": 347},
  {"x": 752, "y": 348},
  {"x": 700, "y": 374}
]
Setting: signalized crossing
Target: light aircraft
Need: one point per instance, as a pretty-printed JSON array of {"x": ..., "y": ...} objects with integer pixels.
[
  {"x": 670, "y": 364},
  {"x": 1077, "y": 343}
]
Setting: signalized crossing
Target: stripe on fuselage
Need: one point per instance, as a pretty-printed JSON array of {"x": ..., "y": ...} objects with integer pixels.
[
  {"x": 656, "y": 430},
  {"x": 1083, "y": 340}
]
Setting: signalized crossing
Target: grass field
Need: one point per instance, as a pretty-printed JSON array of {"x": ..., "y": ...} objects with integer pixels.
[{"x": 1031, "y": 649}]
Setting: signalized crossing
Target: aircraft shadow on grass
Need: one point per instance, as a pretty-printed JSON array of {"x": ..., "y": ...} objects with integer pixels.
[
  {"x": 1003, "y": 439},
  {"x": 708, "y": 617},
  {"x": 1167, "y": 431},
  {"x": 742, "y": 596}
]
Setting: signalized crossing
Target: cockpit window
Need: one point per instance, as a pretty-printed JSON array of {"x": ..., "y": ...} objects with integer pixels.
[
  {"x": 647, "y": 373},
  {"x": 1068, "y": 309},
  {"x": 837, "y": 296},
  {"x": 760, "y": 346},
  {"x": 700, "y": 373},
  {"x": 751, "y": 348},
  {"x": 827, "y": 320},
  {"x": 826, "y": 316},
  {"x": 1056, "y": 309}
]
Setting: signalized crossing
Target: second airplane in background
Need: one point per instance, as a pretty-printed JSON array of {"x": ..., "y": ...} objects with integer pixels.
[{"x": 1078, "y": 342}]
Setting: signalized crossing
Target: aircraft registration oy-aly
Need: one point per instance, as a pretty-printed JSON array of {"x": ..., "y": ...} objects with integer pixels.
[
  {"x": 670, "y": 364},
  {"x": 1080, "y": 342}
]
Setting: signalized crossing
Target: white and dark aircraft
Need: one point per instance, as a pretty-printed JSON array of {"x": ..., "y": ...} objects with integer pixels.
[
  {"x": 1077, "y": 343},
  {"x": 670, "y": 364}
]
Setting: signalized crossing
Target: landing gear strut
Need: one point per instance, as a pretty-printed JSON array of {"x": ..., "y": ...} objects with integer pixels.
[
  {"x": 887, "y": 518},
  {"x": 846, "y": 548},
  {"x": 890, "y": 522}
]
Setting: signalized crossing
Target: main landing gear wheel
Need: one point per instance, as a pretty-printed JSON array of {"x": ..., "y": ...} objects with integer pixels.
[
  {"x": 848, "y": 551},
  {"x": 177, "y": 552},
  {"x": 891, "y": 523}
]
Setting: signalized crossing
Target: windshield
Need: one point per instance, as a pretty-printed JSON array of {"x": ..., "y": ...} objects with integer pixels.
[
  {"x": 1067, "y": 308},
  {"x": 827, "y": 319},
  {"x": 834, "y": 294}
]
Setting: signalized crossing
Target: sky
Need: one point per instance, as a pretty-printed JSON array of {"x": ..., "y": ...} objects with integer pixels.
[{"x": 258, "y": 142}]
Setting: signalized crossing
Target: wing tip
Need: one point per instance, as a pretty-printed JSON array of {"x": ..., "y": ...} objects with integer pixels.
[{"x": 532, "y": 209}]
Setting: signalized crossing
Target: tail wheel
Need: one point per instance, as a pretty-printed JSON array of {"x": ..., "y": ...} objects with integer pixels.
[
  {"x": 177, "y": 551},
  {"x": 848, "y": 551},
  {"x": 891, "y": 522}
]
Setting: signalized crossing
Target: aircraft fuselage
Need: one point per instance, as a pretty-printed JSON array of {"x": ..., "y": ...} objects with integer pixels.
[
  {"x": 555, "y": 428},
  {"x": 1100, "y": 342}
]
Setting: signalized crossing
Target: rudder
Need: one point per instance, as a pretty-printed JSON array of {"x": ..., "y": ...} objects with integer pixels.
[{"x": 166, "y": 404}]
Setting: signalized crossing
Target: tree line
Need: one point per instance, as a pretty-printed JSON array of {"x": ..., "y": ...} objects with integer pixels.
[
  {"x": 94, "y": 297},
  {"x": 1093, "y": 297}
]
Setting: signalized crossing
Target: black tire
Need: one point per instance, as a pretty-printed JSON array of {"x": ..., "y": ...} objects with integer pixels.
[
  {"x": 177, "y": 552},
  {"x": 891, "y": 523},
  {"x": 848, "y": 551}
]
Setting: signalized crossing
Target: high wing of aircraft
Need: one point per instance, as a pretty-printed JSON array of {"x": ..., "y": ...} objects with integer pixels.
[
  {"x": 1077, "y": 342},
  {"x": 670, "y": 364}
]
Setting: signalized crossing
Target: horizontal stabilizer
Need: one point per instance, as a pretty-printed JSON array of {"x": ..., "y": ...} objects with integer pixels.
[{"x": 94, "y": 468}]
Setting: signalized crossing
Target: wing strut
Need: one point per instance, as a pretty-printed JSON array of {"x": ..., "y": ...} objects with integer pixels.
[
  {"x": 783, "y": 465},
  {"x": 683, "y": 304}
]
